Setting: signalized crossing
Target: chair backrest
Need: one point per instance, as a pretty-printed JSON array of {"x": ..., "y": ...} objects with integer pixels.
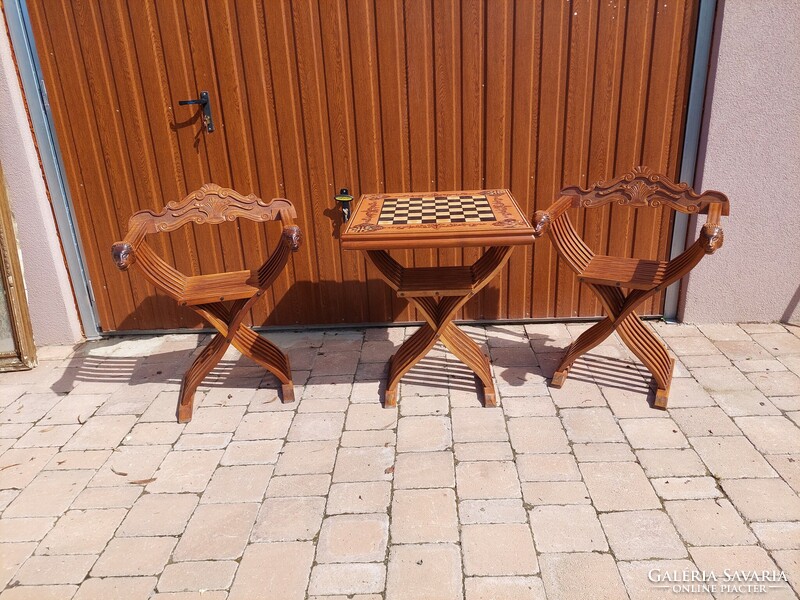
[
  {"x": 211, "y": 204},
  {"x": 641, "y": 187}
]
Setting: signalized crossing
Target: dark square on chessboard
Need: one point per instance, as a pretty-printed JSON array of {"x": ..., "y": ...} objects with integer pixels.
[{"x": 419, "y": 210}]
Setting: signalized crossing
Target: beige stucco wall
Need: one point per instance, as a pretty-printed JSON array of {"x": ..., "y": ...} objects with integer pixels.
[
  {"x": 52, "y": 306},
  {"x": 751, "y": 152}
]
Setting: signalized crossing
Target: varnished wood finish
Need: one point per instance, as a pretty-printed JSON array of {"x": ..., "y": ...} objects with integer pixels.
[
  {"x": 607, "y": 276},
  {"x": 439, "y": 293},
  {"x": 207, "y": 295},
  {"x": 375, "y": 96}
]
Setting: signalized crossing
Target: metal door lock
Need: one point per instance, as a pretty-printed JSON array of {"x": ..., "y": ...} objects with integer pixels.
[{"x": 205, "y": 104}]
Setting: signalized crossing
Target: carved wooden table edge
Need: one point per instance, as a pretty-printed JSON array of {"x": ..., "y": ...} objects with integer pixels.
[
  {"x": 439, "y": 292},
  {"x": 207, "y": 294},
  {"x": 606, "y": 276}
]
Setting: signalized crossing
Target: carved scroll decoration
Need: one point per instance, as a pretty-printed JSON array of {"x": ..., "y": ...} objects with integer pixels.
[{"x": 642, "y": 187}]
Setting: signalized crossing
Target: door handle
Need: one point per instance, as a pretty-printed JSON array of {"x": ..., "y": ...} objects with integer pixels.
[{"x": 205, "y": 104}]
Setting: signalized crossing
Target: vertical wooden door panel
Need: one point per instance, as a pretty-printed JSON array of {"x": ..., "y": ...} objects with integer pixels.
[{"x": 396, "y": 95}]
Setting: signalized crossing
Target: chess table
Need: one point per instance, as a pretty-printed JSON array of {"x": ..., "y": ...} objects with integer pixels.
[{"x": 485, "y": 218}]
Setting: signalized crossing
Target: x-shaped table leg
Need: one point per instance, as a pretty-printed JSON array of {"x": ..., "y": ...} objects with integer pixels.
[
  {"x": 623, "y": 319},
  {"x": 439, "y": 309},
  {"x": 228, "y": 322}
]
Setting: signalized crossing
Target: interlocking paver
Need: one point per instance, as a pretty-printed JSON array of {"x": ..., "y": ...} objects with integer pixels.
[
  {"x": 491, "y": 511},
  {"x": 729, "y": 457},
  {"x": 244, "y": 483},
  {"x": 25, "y": 529},
  {"x": 709, "y": 522},
  {"x": 555, "y": 492},
  {"x": 288, "y": 580},
  {"x": 316, "y": 426},
  {"x": 159, "y": 514},
  {"x": 653, "y": 433},
  {"x": 424, "y": 470},
  {"x": 18, "y": 467},
  {"x": 82, "y": 531},
  {"x": 364, "y": 464},
  {"x": 353, "y": 538},
  {"x": 603, "y": 452},
  {"x": 560, "y": 581},
  {"x": 771, "y": 435},
  {"x": 288, "y": 519},
  {"x": 763, "y": 499},
  {"x": 216, "y": 532},
  {"x": 298, "y": 485},
  {"x": 487, "y": 479},
  {"x": 52, "y": 570},
  {"x": 197, "y": 575},
  {"x": 778, "y": 535},
  {"x": 134, "y": 588},
  {"x": 508, "y": 588},
  {"x": 567, "y": 529},
  {"x": 498, "y": 549},
  {"x": 424, "y": 571},
  {"x": 710, "y": 420},
  {"x": 347, "y": 579},
  {"x": 101, "y": 432},
  {"x": 134, "y": 556},
  {"x": 299, "y": 458},
  {"x": 423, "y": 434},
  {"x": 618, "y": 486},
  {"x": 641, "y": 579},
  {"x": 185, "y": 471},
  {"x": 642, "y": 534},
  {"x": 538, "y": 435},
  {"x": 335, "y": 496},
  {"x": 424, "y": 516},
  {"x": 129, "y": 464},
  {"x": 50, "y": 494},
  {"x": 39, "y": 592}
]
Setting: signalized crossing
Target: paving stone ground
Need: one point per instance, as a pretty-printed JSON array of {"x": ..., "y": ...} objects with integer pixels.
[{"x": 583, "y": 492}]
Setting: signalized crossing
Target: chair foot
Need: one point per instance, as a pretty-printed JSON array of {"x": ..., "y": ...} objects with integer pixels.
[
  {"x": 390, "y": 398},
  {"x": 559, "y": 377},
  {"x": 489, "y": 397},
  {"x": 662, "y": 396},
  {"x": 185, "y": 407},
  {"x": 287, "y": 394}
]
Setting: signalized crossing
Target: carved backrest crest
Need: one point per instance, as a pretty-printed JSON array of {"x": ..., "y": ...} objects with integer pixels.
[
  {"x": 642, "y": 187},
  {"x": 211, "y": 204}
]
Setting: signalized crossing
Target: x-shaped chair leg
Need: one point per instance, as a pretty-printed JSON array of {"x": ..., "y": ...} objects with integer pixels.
[
  {"x": 439, "y": 313},
  {"x": 228, "y": 322},
  {"x": 623, "y": 319}
]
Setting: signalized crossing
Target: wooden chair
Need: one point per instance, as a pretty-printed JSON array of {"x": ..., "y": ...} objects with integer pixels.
[
  {"x": 208, "y": 294},
  {"x": 607, "y": 276}
]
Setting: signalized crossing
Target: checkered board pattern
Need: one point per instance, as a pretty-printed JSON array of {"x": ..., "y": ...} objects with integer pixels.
[{"x": 421, "y": 210}]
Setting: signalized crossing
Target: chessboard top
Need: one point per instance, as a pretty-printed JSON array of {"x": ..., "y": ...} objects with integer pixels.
[{"x": 436, "y": 220}]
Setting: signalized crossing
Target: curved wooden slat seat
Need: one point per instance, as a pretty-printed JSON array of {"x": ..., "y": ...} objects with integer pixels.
[
  {"x": 607, "y": 276},
  {"x": 207, "y": 294}
]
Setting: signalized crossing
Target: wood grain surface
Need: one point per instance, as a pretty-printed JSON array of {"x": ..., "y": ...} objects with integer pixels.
[{"x": 391, "y": 96}]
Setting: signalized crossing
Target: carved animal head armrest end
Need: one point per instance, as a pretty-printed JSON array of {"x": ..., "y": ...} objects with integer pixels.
[
  {"x": 711, "y": 237},
  {"x": 123, "y": 255},
  {"x": 541, "y": 223},
  {"x": 293, "y": 237}
]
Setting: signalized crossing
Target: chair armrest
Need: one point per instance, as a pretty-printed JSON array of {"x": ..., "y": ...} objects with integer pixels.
[
  {"x": 292, "y": 236},
  {"x": 124, "y": 252},
  {"x": 543, "y": 218}
]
